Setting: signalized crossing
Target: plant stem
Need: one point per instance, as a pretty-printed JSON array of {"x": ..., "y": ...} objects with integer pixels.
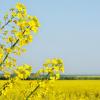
[
  {"x": 14, "y": 43},
  {"x": 11, "y": 48},
  {"x": 7, "y": 23},
  {"x": 32, "y": 91},
  {"x": 8, "y": 53},
  {"x": 35, "y": 88}
]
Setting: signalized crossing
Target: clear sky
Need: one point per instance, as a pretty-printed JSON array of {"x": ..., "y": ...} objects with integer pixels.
[{"x": 70, "y": 29}]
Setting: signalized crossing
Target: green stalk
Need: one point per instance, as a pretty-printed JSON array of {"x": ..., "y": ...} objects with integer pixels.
[
  {"x": 36, "y": 88},
  {"x": 8, "y": 53},
  {"x": 11, "y": 48},
  {"x": 6, "y": 23}
]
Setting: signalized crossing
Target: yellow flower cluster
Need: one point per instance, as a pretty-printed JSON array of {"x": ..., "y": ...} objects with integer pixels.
[
  {"x": 53, "y": 67},
  {"x": 11, "y": 62},
  {"x": 26, "y": 24},
  {"x": 23, "y": 26},
  {"x": 19, "y": 35},
  {"x": 55, "y": 64},
  {"x": 18, "y": 50},
  {"x": 20, "y": 6},
  {"x": 10, "y": 39},
  {"x": 8, "y": 50},
  {"x": 23, "y": 71},
  {"x": 1, "y": 54},
  {"x": 7, "y": 74}
]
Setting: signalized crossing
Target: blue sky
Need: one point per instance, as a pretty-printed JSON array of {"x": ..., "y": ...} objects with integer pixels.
[{"x": 70, "y": 29}]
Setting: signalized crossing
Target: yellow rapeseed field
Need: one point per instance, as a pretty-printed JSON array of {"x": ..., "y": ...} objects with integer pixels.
[
  {"x": 58, "y": 90},
  {"x": 77, "y": 90}
]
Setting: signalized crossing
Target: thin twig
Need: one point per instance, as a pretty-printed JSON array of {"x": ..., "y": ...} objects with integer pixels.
[
  {"x": 10, "y": 48},
  {"x": 36, "y": 88},
  {"x": 6, "y": 23}
]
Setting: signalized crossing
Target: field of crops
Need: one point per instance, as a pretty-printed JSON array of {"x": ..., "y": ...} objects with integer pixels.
[
  {"x": 61, "y": 90},
  {"x": 77, "y": 90}
]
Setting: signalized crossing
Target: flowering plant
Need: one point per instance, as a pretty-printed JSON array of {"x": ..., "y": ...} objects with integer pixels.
[{"x": 14, "y": 39}]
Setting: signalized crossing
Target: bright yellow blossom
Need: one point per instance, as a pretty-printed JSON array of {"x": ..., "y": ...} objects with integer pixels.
[
  {"x": 20, "y": 6},
  {"x": 8, "y": 50},
  {"x": 10, "y": 39},
  {"x": 8, "y": 63},
  {"x": 54, "y": 61},
  {"x": 6, "y": 74},
  {"x": 30, "y": 38},
  {"x": 13, "y": 14},
  {"x": 23, "y": 71},
  {"x": 19, "y": 35},
  {"x": 1, "y": 55}
]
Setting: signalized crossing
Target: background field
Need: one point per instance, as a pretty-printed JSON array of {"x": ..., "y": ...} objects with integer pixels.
[{"x": 61, "y": 90}]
